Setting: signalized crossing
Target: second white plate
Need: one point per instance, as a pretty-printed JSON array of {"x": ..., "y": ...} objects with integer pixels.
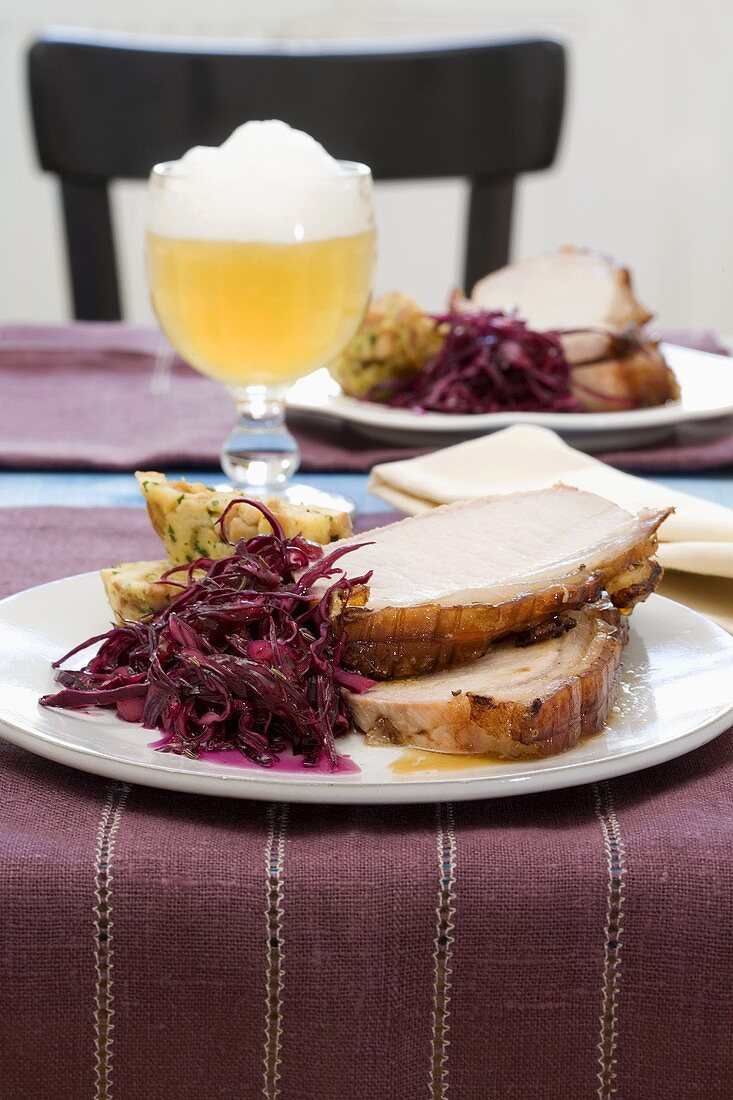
[{"x": 706, "y": 382}]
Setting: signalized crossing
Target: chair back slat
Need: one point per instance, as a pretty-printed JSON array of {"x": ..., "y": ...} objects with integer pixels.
[
  {"x": 91, "y": 252},
  {"x": 109, "y": 108}
]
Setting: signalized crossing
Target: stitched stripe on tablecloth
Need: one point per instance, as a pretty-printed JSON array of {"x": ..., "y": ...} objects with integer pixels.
[
  {"x": 613, "y": 931},
  {"x": 444, "y": 939},
  {"x": 277, "y": 821},
  {"x": 109, "y": 823}
]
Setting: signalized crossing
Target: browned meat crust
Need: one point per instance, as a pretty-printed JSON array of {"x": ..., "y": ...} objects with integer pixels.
[
  {"x": 395, "y": 642},
  {"x": 543, "y": 632},
  {"x": 635, "y": 584},
  {"x": 636, "y": 380},
  {"x": 562, "y": 711}
]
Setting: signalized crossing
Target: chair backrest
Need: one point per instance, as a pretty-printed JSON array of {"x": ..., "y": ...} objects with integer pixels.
[{"x": 109, "y": 107}]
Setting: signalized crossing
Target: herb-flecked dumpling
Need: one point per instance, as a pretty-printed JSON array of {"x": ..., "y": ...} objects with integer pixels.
[{"x": 184, "y": 515}]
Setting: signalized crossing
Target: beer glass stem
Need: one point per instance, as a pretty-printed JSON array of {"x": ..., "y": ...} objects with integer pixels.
[{"x": 260, "y": 456}]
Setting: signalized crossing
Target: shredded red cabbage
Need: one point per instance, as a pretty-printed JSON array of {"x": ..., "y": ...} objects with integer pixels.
[
  {"x": 246, "y": 657},
  {"x": 489, "y": 362}
]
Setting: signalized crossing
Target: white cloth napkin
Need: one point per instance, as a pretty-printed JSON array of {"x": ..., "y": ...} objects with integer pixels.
[{"x": 696, "y": 542}]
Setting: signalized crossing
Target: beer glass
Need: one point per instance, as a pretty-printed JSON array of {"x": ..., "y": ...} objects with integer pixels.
[{"x": 260, "y": 300}]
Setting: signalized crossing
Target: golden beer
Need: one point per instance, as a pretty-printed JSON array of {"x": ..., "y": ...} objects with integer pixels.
[
  {"x": 255, "y": 312},
  {"x": 260, "y": 254}
]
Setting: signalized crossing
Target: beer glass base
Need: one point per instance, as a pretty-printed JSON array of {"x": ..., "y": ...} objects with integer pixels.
[{"x": 260, "y": 455}]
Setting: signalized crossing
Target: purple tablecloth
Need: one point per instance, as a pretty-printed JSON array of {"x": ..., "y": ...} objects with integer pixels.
[
  {"x": 113, "y": 397},
  {"x": 173, "y": 947}
]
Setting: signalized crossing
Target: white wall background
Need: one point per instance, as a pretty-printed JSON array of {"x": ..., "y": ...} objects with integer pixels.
[{"x": 645, "y": 169}]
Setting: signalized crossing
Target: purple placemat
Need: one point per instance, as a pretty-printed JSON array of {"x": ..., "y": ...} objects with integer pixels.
[
  {"x": 113, "y": 397},
  {"x": 104, "y": 396},
  {"x": 573, "y": 944}
]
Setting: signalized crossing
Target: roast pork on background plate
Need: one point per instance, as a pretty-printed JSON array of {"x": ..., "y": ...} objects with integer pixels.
[{"x": 589, "y": 300}]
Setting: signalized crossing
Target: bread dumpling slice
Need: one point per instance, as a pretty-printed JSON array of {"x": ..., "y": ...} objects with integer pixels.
[
  {"x": 184, "y": 515},
  {"x": 135, "y": 591}
]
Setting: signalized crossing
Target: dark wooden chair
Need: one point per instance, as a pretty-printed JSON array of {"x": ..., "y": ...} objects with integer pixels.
[{"x": 109, "y": 107}]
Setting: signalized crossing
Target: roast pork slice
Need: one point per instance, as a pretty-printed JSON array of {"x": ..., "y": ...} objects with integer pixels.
[
  {"x": 448, "y": 582},
  {"x": 591, "y": 345},
  {"x": 513, "y": 702},
  {"x": 637, "y": 380},
  {"x": 572, "y": 287}
]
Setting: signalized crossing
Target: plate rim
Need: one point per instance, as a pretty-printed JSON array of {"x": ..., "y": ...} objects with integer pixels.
[
  {"x": 406, "y": 792},
  {"x": 282, "y": 787},
  {"x": 370, "y": 414}
]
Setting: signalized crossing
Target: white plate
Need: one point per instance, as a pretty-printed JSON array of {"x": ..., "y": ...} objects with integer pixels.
[
  {"x": 676, "y": 694},
  {"x": 706, "y": 382}
]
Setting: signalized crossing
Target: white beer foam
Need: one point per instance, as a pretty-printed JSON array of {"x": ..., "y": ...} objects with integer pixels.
[{"x": 266, "y": 182}]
